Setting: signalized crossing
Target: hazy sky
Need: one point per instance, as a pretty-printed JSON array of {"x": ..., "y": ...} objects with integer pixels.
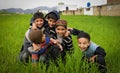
[
  {"x": 27, "y": 4},
  {"x": 24, "y": 4}
]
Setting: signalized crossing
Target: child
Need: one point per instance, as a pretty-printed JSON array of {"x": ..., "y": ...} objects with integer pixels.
[
  {"x": 50, "y": 21},
  {"x": 38, "y": 20},
  {"x": 65, "y": 42},
  {"x": 91, "y": 51},
  {"x": 61, "y": 30},
  {"x": 39, "y": 46}
]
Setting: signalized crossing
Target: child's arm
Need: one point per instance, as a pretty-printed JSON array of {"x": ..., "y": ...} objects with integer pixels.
[
  {"x": 61, "y": 48},
  {"x": 74, "y": 31},
  {"x": 92, "y": 59},
  {"x": 99, "y": 56},
  {"x": 67, "y": 33},
  {"x": 100, "y": 52},
  {"x": 34, "y": 27},
  {"x": 36, "y": 47},
  {"x": 55, "y": 41}
]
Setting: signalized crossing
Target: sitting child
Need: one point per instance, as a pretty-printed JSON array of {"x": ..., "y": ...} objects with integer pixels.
[
  {"x": 38, "y": 20},
  {"x": 39, "y": 45},
  {"x": 64, "y": 41},
  {"x": 91, "y": 51}
]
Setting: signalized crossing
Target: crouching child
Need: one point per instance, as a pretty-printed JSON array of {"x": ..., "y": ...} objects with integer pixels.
[
  {"x": 39, "y": 46},
  {"x": 63, "y": 43},
  {"x": 91, "y": 51}
]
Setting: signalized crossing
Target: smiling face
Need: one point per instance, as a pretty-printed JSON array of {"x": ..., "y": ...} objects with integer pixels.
[
  {"x": 39, "y": 22},
  {"x": 51, "y": 22},
  {"x": 61, "y": 30},
  {"x": 83, "y": 43}
]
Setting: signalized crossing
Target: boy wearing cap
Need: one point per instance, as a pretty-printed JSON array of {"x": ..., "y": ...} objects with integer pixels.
[{"x": 60, "y": 36}]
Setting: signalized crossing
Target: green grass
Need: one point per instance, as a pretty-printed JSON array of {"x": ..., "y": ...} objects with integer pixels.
[{"x": 103, "y": 30}]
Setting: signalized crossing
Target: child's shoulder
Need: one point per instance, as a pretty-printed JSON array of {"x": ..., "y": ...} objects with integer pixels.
[
  {"x": 93, "y": 45},
  {"x": 100, "y": 51}
]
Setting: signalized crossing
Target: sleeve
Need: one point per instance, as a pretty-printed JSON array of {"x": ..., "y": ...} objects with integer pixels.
[
  {"x": 26, "y": 44},
  {"x": 100, "y": 52},
  {"x": 75, "y": 31},
  {"x": 100, "y": 59},
  {"x": 27, "y": 41}
]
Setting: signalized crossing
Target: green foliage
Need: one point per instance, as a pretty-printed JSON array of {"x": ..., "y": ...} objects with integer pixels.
[{"x": 103, "y": 30}]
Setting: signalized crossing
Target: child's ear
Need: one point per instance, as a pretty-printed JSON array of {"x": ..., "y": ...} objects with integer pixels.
[{"x": 89, "y": 43}]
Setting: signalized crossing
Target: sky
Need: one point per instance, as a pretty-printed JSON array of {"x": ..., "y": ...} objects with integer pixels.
[{"x": 28, "y": 4}]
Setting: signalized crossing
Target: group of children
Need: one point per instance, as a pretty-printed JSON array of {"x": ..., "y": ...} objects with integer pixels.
[{"x": 49, "y": 38}]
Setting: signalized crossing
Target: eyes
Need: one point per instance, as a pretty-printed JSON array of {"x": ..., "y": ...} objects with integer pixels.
[
  {"x": 39, "y": 20},
  {"x": 60, "y": 29},
  {"x": 83, "y": 43},
  {"x": 52, "y": 21}
]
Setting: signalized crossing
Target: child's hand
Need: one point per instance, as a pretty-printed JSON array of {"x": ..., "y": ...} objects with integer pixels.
[
  {"x": 34, "y": 26},
  {"x": 92, "y": 59},
  {"x": 69, "y": 28},
  {"x": 36, "y": 47},
  {"x": 67, "y": 33},
  {"x": 61, "y": 48},
  {"x": 54, "y": 41}
]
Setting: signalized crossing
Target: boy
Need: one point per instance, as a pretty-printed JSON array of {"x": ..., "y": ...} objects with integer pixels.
[
  {"x": 91, "y": 51},
  {"x": 51, "y": 19},
  {"x": 38, "y": 20},
  {"x": 60, "y": 36},
  {"x": 49, "y": 24},
  {"x": 39, "y": 46}
]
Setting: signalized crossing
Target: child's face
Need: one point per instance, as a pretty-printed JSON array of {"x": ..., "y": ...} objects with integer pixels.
[
  {"x": 61, "y": 30},
  {"x": 39, "y": 22},
  {"x": 83, "y": 43},
  {"x": 51, "y": 22}
]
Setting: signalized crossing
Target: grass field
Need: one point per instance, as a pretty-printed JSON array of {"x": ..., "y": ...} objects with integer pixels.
[{"x": 104, "y": 31}]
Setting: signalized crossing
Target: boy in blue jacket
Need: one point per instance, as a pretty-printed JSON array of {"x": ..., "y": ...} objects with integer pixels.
[{"x": 39, "y": 46}]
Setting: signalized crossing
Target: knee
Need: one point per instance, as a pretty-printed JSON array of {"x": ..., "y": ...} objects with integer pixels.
[{"x": 24, "y": 57}]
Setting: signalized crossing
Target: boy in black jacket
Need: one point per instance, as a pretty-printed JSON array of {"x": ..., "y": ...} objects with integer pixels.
[{"x": 91, "y": 51}]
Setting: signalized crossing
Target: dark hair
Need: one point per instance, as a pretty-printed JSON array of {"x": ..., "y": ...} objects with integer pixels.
[
  {"x": 61, "y": 22},
  {"x": 52, "y": 15},
  {"x": 36, "y": 36},
  {"x": 38, "y": 15},
  {"x": 83, "y": 35}
]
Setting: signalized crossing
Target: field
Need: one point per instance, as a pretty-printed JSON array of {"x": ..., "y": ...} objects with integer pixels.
[{"x": 104, "y": 31}]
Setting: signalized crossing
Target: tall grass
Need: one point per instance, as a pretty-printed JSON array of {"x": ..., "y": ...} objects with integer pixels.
[{"x": 103, "y": 30}]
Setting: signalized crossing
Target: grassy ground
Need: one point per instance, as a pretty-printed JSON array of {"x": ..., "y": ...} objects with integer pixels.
[{"x": 103, "y": 30}]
